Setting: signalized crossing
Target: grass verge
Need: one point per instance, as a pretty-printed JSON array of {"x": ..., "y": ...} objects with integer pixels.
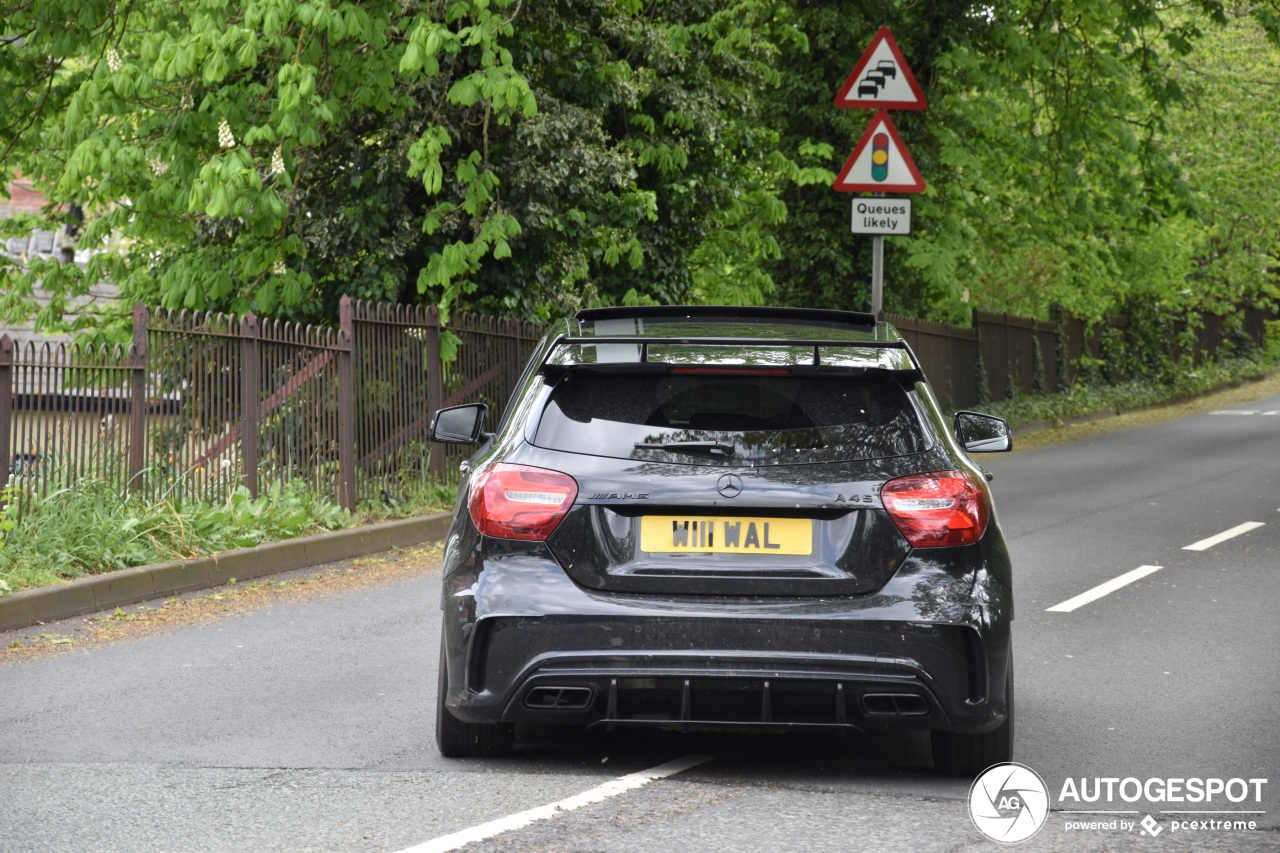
[
  {"x": 1138, "y": 394},
  {"x": 66, "y": 533}
]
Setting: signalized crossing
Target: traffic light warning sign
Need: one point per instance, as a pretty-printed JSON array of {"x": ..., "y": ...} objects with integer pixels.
[
  {"x": 881, "y": 80},
  {"x": 880, "y": 162}
]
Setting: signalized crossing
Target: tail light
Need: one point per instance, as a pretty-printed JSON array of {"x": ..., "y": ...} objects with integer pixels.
[
  {"x": 519, "y": 502},
  {"x": 937, "y": 510}
]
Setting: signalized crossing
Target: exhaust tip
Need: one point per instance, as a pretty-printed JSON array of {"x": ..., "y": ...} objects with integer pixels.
[
  {"x": 559, "y": 698},
  {"x": 894, "y": 705}
]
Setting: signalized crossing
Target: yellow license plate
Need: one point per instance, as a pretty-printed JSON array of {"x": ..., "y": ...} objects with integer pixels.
[{"x": 674, "y": 534}]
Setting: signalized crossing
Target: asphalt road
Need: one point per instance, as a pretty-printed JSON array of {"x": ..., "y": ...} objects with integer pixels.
[{"x": 308, "y": 726}]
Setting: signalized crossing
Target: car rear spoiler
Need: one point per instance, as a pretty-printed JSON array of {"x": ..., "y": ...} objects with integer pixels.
[
  {"x": 634, "y": 353},
  {"x": 854, "y": 319}
]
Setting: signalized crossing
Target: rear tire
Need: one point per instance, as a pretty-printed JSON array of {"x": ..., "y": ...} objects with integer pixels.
[
  {"x": 456, "y": 739},
  {"x": 968, "y": 755}
]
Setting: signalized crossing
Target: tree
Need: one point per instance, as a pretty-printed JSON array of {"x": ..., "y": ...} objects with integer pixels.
[
  {"x": 272, "y": 155},
  {"x": 1048, "y": 175},
  {"x": 530, "y": 158},
  {"x": 227, "y": 147},
  {"x": 1223, "y": 140}
]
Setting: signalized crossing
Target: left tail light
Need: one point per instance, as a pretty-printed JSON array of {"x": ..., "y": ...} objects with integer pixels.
[
  {"x": 937, "y": 510},
  {"x": 520, "y": 502}
]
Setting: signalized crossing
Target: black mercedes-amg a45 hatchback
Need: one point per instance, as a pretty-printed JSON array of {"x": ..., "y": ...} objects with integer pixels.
[{"x": 726, "y": 518}]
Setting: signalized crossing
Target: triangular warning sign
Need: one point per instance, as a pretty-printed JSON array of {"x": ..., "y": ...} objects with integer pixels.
[
  {"x": 881, "y": 80},
  {"x": 880, "y": 162}
]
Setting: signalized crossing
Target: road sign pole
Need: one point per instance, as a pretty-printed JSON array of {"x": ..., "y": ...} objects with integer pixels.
[
  {"x": 877, "y": 275},
  {"x": 877, "y": 272}
]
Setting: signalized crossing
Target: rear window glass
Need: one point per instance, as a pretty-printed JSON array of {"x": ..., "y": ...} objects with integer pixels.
[{"x": 727, "y": 419}]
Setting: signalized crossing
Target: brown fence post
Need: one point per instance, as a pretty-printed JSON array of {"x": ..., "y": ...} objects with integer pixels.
[
  {"x": 346, "y": 410},
  {"x": 138, "y": 398},
  {"x": 6, "y": 410},
  {"x": 435, "y": 385},
  {"x": 249, "y": 365}
]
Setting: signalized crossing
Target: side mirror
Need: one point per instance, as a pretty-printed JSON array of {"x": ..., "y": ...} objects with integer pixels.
[
  {"x": 459, "y": 424},
  {"x": 979, "y": 433}
]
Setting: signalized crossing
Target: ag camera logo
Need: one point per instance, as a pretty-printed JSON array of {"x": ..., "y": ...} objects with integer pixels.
[{"x": 1009, "y": 803}]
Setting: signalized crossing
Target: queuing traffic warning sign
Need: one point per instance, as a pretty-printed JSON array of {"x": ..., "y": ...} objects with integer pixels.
[
  {"x": 880, "y": 162},
  {"x": 882, "y": 80}
]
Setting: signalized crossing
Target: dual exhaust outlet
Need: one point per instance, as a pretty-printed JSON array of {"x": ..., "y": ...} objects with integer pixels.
[{"x": 557, "y": 698}]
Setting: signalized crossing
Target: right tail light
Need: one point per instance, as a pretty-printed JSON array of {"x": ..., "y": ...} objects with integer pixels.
[{"x": 937, "y": 510}]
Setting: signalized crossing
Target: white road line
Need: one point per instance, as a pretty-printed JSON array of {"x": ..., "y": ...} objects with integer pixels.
[
  {"x": 1234, "y": 412},
  {"x": 1103, "y": 589},
  {"x": 1274, "y": 412},
  {"x": 1206, "y": 544},
  {"x": 520, "y": 819}
]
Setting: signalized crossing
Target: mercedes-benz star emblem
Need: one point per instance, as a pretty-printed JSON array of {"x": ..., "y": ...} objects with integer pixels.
[{"x": 729, "y": 486}]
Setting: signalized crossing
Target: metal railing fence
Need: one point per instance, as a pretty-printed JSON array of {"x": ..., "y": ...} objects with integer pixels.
[{"x": 202, "y": 403}]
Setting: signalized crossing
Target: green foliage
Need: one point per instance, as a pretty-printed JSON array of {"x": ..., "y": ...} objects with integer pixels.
[
  {"x": 92, "y": 528},
  {"x": 510, "y": 157},
  {"x": 528, "y": 159},
  {"x": 1137, "y": 393},
  {"x": 1222, "y": 139},
  {"x": 1050, "y": 147},
  {"x": 225, "y": 147},
  {"x": 7, "y": 524}
]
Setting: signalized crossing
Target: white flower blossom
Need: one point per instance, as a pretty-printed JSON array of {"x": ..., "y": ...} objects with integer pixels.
[
  {"x": 277, "y": 160},
  {"x": 158, "y": 166},
  {"x": 279, "y": 268},
  {"x": 225, "y": 137},
  {"x": 113, "y": 59}
]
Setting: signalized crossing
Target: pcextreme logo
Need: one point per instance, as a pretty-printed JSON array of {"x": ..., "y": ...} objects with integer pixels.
[{"x": 1009, "y": 803}]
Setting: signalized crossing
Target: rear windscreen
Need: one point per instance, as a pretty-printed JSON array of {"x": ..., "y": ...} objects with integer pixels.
[{"x": 730, "y": 419}]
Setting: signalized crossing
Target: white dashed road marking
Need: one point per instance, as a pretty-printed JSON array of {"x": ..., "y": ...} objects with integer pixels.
[
  {"x": 521, "y": 819},
  {"x": 1103, "y": 589},
  {"x": 1142, "y": 571},
  {"x": 1206, "y": 544}
]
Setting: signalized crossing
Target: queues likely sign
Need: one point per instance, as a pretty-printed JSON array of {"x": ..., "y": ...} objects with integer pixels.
[{"x": 882, "y": 216}]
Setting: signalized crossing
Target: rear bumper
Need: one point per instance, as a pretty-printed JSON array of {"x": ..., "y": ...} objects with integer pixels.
[{"x": 524, "y": 643}]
